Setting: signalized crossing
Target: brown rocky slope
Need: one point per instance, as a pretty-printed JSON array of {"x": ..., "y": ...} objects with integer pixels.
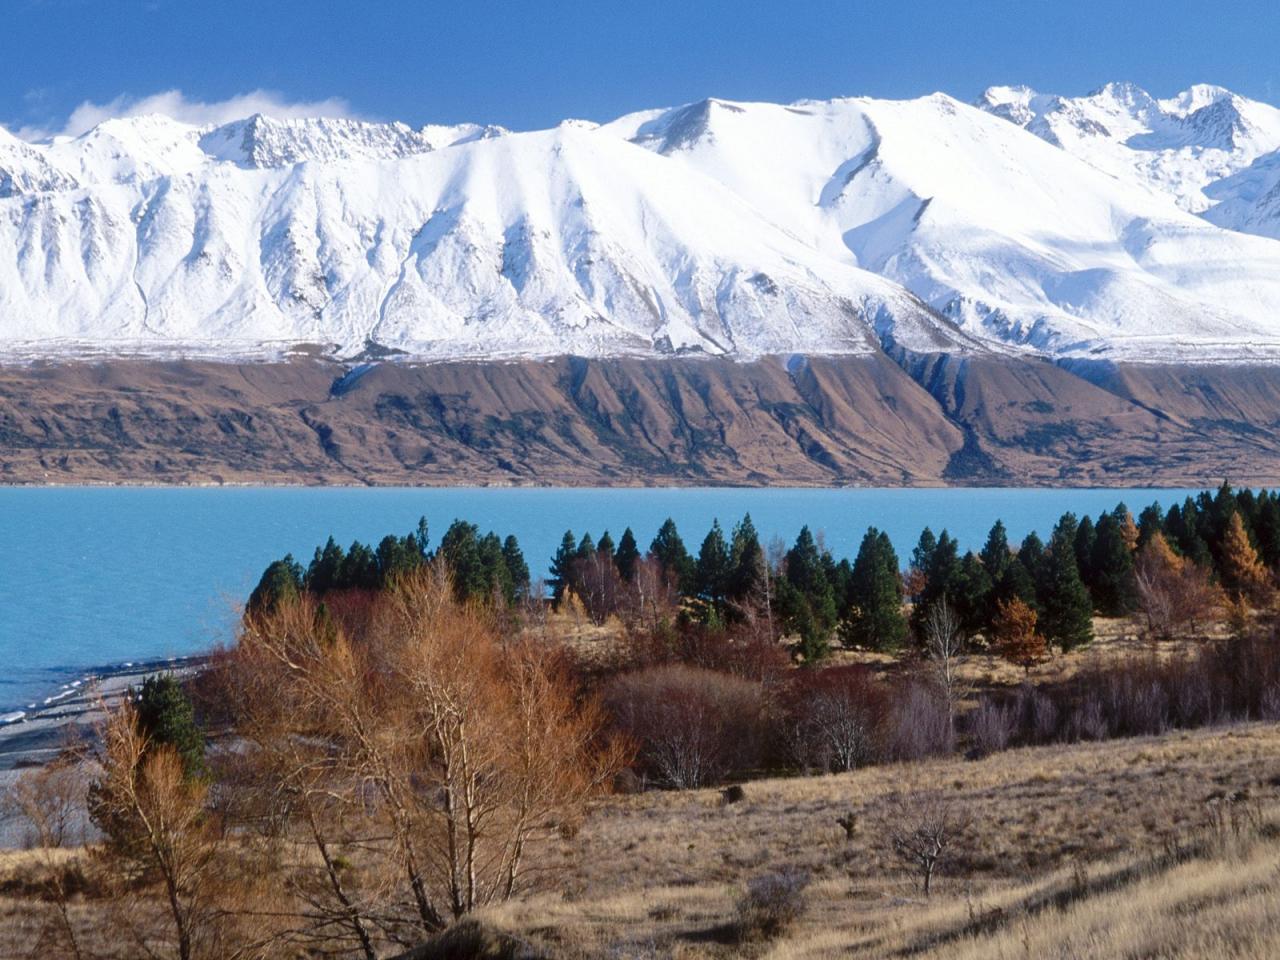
[{"x": 919, "y": 420}]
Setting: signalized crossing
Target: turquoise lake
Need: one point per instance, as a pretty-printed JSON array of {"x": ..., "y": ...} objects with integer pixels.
[{"x": 91, "y": 577}]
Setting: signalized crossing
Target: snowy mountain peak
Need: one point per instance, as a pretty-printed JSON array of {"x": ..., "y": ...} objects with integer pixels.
[
  {"x": 1196, "y": 97},
  {"x": 1103, "y": 226},
  {"x": 266, "y": 143}
]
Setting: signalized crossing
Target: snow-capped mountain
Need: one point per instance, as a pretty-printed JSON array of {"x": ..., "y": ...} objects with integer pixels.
[{"x": 1114, "y": 225}]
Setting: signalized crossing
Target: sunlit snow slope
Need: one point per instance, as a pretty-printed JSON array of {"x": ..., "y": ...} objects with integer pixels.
[{"x": 1113, "y": 226}]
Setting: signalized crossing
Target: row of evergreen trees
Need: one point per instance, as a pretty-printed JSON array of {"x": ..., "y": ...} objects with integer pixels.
[
  {"x": 1086, "y": 567},
  {"x": 483, "y": 567}
]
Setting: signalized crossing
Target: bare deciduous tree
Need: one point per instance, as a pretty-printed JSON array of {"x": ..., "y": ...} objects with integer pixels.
[
  {"x": 156, "y": 827},
  {"x": 921, "y": 833},
  {"x": 943, "y": 639},
  {"x": 47, "y": 804}
]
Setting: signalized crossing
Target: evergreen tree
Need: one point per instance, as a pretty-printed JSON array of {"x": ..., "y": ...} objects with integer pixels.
[
  {"x": 1086, "y": 538},
  {"x": 1114, "y": 588},
  {"x": 605, "y": 544},
  {"x": 1016, "y": 583},
  {"x": 1150, "y": 523},
  {"x": 494, "y": 581},
  {"x": 1032, "y": 556},
  {"x": 995, "y": 554},
  {"x": 422, "y": 537},
  {"x": 166, "y": 716},
  {"x": 1066, "y": 617},
  {"x": 460, "y": 549},
  {"x": 517, "y": 569},
  {"x": 874, "y": 608},
  {"x": 281, "y": 582},
  {"x": 326, "y": 567},
  {"x": 942, "y": 577},
  {"x": 922, "y": 555},
  {"x": 1267, "y": 530},
  {"x": 586, "y": 547},
  {"x": 627, "y": 555},
  {"x": 562, "y": 566},
  {"x": 359, "y": 569},
  {"x": 971, "y": 594},
  {"x": 1182, "y": 529},
  {"x": 747, "y": 577},
  {"x": 711, "y": 574},
  {"x": 669, "y": 550},
  {"x": 809, "y": 605}
]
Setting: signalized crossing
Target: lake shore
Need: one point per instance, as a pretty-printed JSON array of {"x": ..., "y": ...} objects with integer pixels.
[{"x": 34, "y": 737}]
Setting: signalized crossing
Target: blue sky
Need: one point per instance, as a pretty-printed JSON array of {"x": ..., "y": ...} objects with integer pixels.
[{"x": 527, "y": 65}]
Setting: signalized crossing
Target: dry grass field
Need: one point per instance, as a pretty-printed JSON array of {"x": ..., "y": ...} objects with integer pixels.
[{"x": 1115, "y": 834}]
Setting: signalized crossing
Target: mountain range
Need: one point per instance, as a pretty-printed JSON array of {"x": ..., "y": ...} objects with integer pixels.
[
  {"x": 1029, "y": 289},
  {"x": 1115, "y": 226}
]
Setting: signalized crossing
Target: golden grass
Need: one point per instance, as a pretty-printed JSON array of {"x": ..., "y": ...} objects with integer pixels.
[{"x": 659, "y": 874}]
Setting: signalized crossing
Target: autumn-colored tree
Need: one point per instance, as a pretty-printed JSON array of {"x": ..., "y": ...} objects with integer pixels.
[
  {"x": 1015, "y": 635},
  {"x": 1242, "y": 572},
  {"x": 1174, "y": 593},
  {"x": 157, "y": 830},
  {"x": 453, "y": 750}
]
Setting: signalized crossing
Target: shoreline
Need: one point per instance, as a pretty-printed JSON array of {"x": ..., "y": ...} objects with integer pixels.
[{"x": 31, "y": 737}]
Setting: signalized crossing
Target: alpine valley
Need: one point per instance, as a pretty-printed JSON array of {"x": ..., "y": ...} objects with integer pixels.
[{"x": 1032, "y": 289}]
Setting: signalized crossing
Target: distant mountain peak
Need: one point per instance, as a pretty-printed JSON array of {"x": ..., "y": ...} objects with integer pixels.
[{"x": 1103, "y": 226}]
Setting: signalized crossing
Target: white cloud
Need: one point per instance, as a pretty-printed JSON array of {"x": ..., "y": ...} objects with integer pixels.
[{"x": 173, "y": 103}]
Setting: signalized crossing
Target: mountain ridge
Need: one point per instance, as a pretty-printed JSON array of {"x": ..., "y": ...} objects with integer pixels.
[{"x": 1113, "y": 226}]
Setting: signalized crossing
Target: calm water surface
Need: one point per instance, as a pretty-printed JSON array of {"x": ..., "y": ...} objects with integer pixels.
[{"x": 97, "y": 576}]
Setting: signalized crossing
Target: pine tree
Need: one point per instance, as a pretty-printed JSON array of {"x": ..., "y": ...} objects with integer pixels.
[
  {"x": 281, "y": 582},
  {"x": 995, "y": 554},
  {"x": 747, "y": 578},
  {"x": 669, "y": 550},
  {"x": 1066, "y": 609},
  {"x": 359, "y": 569},
  {"x": 810, "y": 606},
  {"x": 1016, "y": 583},
  {"x": 517, "y": 569},
  {"x": 165, "y": 716},
  {"x": 586, "y": 547},
  {"x": 1267, "y": 530},
  {"x": 875, "y": 595},
  {"x": 711, "y": 575},
  {"x": 494, "y": 581},
  {"x": 605, "y": 544},
  {"x": 562, "y": 566},
  {"x": 1086, "y": 539},
  {"x": 1032, "y": 556},
  {"x": 627, "y": 555},
  {"x": 1150, "y": 523},
  {"x": 471, "y": 572},
  {"x": 971, "y": 594},
  {"x": 325, "y": 569},
  {"x": 1114, "y": 588}
]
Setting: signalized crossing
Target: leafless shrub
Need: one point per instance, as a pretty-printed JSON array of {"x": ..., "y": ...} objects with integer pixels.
[
  {"x": 691, "y": 726},
  {"x": 991, "y": 727},
  {"x": 831, "y": 719},
  {"x": 771, "y": 904},
  {"x": 917, "y": 723}
]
